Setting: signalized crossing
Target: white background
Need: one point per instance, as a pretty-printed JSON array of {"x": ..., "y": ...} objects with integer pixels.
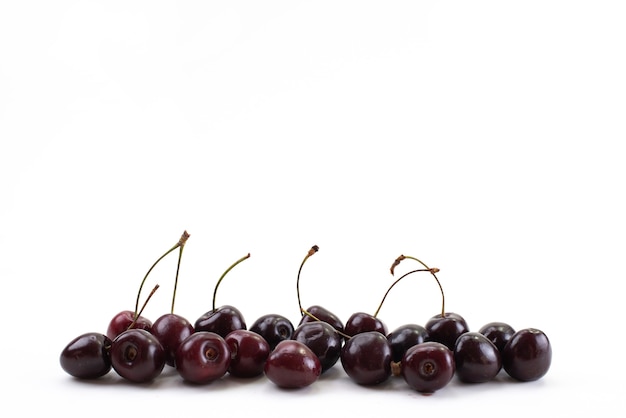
[{"x": 481, "y": 137}]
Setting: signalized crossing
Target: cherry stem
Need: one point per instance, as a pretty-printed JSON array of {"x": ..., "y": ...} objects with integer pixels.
[
  {"x": 178, "y": 244},
  {"x": 402, "y": 257},
  {"x": 312, "y": 251},
  {"x": 138, "y": 314},
  {"x": 181, "y": 245},
  {"x": 431, "y": 270},
  {"x": 224, "y": 274}
]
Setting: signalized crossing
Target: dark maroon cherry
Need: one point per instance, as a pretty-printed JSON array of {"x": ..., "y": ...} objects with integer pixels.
[
  {"x": 87, "y": 356},
  {"x": 476, "y": 358},
  {"x": 446, "y": 328},
  {"x": 427, "y": 367},
  {"x": 292, "y": 365},
  {"x": 404, "y": 337},
  {"x": 123, "y": 320},
  {"x": 527, "y": 355},
  {"x": 498, "y": 333},
  {"x": 363, "y": 322},
  {"x": 248, "y": 353},
  {"x": 202, "y": 357},
  {"x": 137, "y": 355},
  {"x": 323, "y": 339},
  {"x": 366, "y": 358},
  {"x": 274, "y": 328},
  {"x": 171, "y": 329}
]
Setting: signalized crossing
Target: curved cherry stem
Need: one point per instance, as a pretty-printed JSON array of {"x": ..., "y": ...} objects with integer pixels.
[
  {"x": 312, "y": 251},
  {"x": 138, "y": 314},
  {"x": 180, "y": 242},
  {"x": 224, "y": 274},
  {"x": 181, "y": 246},
  {"x": 432, "y": 271}
]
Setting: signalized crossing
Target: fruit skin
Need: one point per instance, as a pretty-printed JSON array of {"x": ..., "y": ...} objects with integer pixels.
[
  {"x": 405, "y": 337},
  {"x": 476, "y": 358},
  {"x": 202, "y": 357},
  {"x": 498, "y": 332},
  {"x": 446, "y": 329},
  {"x": 366, "y": 358},
  {"x": 292, "y": 365},
  {"x": 123, "y": 320},
  {"x": 323, "y": 314},
  {"x": 428, "y": 367},
  {"x": 274, "y": 328},
  {"x": 323, "y": 339},
  {"x": 221, "y": 320},
  {"x": 87, "y": 356},
  {"x": 137, "y": 355},
  {"x": 363, "y": 322},
  {"x": 248, "y": 352},
  {"x": 171, "y": 329},
  {"x": 527, "y": 355}
]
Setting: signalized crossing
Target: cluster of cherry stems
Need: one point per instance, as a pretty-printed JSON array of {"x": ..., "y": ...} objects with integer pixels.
[{"x": 219, "y": 343}]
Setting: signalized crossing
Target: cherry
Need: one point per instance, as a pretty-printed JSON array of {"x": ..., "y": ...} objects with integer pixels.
[
  {"x": 360, "y": 322},
  {"x": 171, "y": 329},
  {"x": 248, "y": 351},
  {"x": 427, "y": 367},
  {"x": 322, "y": 339},
  {"x": 527, "y": 355},
  {"x": 498, "y": 333},
  {"x": 292, "y": 365},
  {"x": 87, "y": 356},
  {"x": 202, "y": 357},
  {"x": 137, "y": 355},
  {"x": 224, "y": 319},
  {"x": 366, "y": 358},
  {"x": 405, "y": 337},
  {"x": 274, "y": 328},
  {"x": 476, "y": 358}
]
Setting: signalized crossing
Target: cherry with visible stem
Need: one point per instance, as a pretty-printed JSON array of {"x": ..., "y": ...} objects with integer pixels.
[
  {"x": 226, "y": 318},
  {"x": 445, "y": 327},
  {"x": 170, "y": 328}
]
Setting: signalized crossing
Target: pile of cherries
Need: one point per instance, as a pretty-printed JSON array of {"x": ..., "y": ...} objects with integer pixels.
[{"x": 219, "y": 343}]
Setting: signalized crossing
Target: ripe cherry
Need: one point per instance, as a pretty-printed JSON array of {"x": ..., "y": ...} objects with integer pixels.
[
  {"x": 405, "y": 337},
  {"x": 427, "y": 367},
  {"x": 476, "y": 358},
  {"x": 527, "y": 355},
  {"x": 274, "y": 328},
  {"x": 224, "y": 319},
  {"x": 292, "y": 365},
  {"x": 498, "y": 333},
  {"x": 202, "y": 357},
  {"x": 322, "y": 339},
  {"x": 87, "y": 356},
  {"x": 137, "y": 355},
  {"x": 366, "y": 358},
  {"x": 248, "y": 352}
]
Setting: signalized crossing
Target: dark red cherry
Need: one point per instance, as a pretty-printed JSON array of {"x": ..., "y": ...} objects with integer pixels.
[
  {"x": 404, "y": 337},
  {"x": 87, "y": 356},
  {"x": 323, "y": 339},
  {"x": 274, "y": 328},
  {"x": 292, "y": 365},
  {"x": 428, "y": 367},
  {"x": 137, "y": 355},
  {"x": 248, "y": 353},
  {"x": 202, "y": 357},
  {"x": 498, "y": 333},
  {"x": 222, "y": 321},
  {"x": 366, "y": 358},
  {"x": 171, "y": 329},
  {"x": 123, "y": 320},
  {"x": 446, "y": 329},
  {"x": 324, "y": 315},
  {"x": 527, "y": 355},
  {"x": 363, "y": 322},
  {"x": 476, "y": 358}
]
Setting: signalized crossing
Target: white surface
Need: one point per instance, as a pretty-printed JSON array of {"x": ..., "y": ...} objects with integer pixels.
[{"x": 481, "y": 137}]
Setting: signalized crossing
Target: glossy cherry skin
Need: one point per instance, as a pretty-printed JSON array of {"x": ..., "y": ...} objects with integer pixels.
[
  {"x": 123, "y": 320},
  {"x": 428, "y": 367},
  {"x": 498, "y": 333},
  {"x": 405, "y": 337},
  {"x": 274, "y": 328},
  {"x": 323, "y": 314},
  {"x": 221, "y": 321},
  {"x": 202, "y": 357},
  {"x": 366, "y": 358},
  {"x": 87, "y": 356},
  {"x": 527, "y": 355},
  {"x": 292, "y": 365},
  {"x": 476, "y": 358},
  {"x": 248, "y": 353},
  {"x": 171, "y": 329},
  {"x": 446, "y": 329},
  {"x": 363, "y": 322},
  {"x": 137, "y": 355},
  {"x": 323, "y": 339}
]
